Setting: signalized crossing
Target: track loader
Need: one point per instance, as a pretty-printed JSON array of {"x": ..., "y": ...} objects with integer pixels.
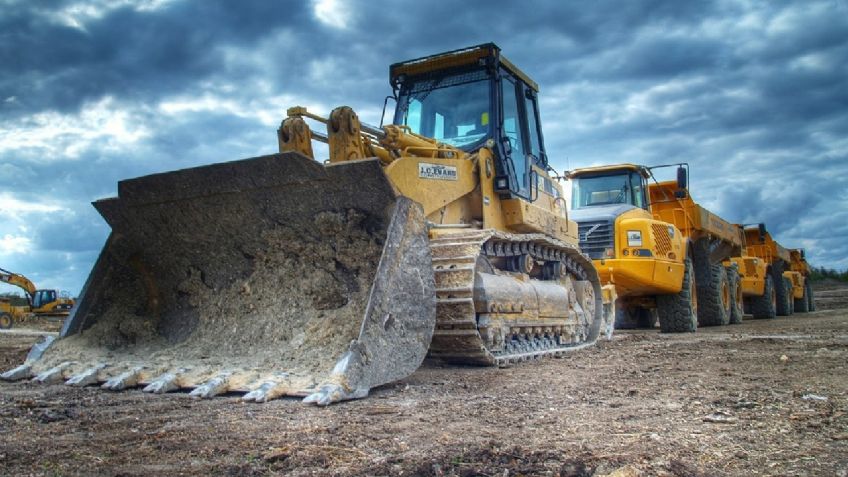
[
  {"x": 40, "y": 302},
  {"x": 281, "y": 275}
]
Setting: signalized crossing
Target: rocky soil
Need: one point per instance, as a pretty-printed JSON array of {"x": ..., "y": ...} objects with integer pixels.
[{"x": 766, "y": 397}]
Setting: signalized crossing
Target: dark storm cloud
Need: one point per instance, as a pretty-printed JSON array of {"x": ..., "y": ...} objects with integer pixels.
[
  {"x": 126, "y": 52},
  {"x": 751, "y": 94}
]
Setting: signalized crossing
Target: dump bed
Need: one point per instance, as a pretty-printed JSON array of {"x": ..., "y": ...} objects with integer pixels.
[
  {"x": 693, "y": 220},
  {"x": 763, "y": 246}
]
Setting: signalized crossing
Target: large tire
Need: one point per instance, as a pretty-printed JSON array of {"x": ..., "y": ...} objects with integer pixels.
[
  {"x": 678, "y": 313},
  {"x": 783, "y": 294},
  {"x": 5, "y": 321},
  {"x": 713, "y": 289},
  {"x": 811, "y": 304},
  {"x": 714, "y": 298},
  {"x": 635, "y": 317},
  {"x": 736, "y": 302},
  {"x": 765, "y": 306},
  {"x": 787, "y": 285},
  {"x": 802, "y": 305}
]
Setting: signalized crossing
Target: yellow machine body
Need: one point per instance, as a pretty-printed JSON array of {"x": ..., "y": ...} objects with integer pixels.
[
  {"x": 41, "y": 302},
  {"x": 443, "y": 233},
  {"x": 633, "y": 270}
]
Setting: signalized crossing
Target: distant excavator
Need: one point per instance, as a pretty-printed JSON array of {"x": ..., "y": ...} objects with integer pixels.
[{"x": 46, "y": 302}]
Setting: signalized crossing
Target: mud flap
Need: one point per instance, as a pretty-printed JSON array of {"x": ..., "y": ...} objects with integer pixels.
[{"x": 271, "y": 276}]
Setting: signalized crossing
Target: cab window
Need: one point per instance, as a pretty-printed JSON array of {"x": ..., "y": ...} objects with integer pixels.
[{"x": 513, "y": 132}]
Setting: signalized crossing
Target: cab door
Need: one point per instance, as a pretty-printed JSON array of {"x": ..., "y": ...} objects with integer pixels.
[{"x": 521, "y": 142}]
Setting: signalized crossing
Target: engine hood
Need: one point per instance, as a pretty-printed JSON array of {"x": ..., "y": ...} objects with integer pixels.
[{"x": 599, "y": 212}]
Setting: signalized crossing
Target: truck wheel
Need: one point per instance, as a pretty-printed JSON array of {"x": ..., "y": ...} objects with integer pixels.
[
  {"x": 811, "y": 303},
  {"x": 635, "y": 317},
  {"x": 714, "y": 297},
  {"x": 787, "y": 285},
  {"x": 648, "y": 317},
  {"x": 765, "y": 306},
  {"x": 736, "y": 307},
  {"x": 5, "y": 321},
  {"x": 802, "y": 305},
  {"x": 678, "y": 313},
  {"x": 781, "y": 290}
]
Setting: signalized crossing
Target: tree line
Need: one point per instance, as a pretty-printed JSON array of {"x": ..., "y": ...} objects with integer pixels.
[{"x": 821, "y": 273}]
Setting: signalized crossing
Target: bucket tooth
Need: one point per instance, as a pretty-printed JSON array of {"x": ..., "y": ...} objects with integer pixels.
[
  {"x": 215, "y": 386},
  {"x": 89, "y": 376},
  {"x": 23, "y": 371},
  {"x": 164, "y": 383},
  {"x": 127, "y": 379},
  {"x": 269, "y": 389},
  {"x": 54, "y": 374},
  {"x": 332, "y": 393}
]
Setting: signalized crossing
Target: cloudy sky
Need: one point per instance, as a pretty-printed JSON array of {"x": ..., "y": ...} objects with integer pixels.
[{"x": 754, "y": 95}]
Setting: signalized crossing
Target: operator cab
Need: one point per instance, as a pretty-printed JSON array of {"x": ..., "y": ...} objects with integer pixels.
[
  {"x": 601, "y": 187},
  {"x": 43, "y": 297},
  {"x": 472, "y": 98}
]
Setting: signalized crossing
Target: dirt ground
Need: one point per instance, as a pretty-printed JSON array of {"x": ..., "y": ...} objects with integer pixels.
[{"x": 767, "y": 397}]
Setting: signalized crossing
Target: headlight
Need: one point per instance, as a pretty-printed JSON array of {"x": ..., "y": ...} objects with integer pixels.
[
  {"x": 634, "y": 238},
  {"x": 671, "y": 231}
]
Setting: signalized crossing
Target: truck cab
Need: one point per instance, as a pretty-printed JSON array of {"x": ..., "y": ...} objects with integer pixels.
[{"x": 640, "y": 255}]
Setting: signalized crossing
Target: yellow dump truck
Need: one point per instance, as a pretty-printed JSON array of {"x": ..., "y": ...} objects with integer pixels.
[
  {"x": 285, "y": 275},
  {"x": 661, "y": 250},
  {"x": 759, "y": 297},
  {"x": 773, "y": 291},
  {"x": 714, "y": 241},
  {"x": 799, "y": 275}
]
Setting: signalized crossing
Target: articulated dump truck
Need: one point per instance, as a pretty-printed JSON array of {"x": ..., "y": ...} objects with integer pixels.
[
  {"x": 662, "y": 251},
  {"x": 281, "y": 275},
  {"x": 774, "y": 279}
]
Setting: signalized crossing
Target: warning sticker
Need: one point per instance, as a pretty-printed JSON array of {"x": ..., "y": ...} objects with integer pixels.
[{"x": 436, "y": 171}]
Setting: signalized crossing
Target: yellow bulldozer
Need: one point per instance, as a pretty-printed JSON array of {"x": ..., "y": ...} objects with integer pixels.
[
  {"x": 281, "y": 275},
  {"x": 46, "y": 302}
]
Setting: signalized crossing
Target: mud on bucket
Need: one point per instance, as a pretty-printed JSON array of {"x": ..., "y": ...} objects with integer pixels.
[{"x": 271, "y": 276}]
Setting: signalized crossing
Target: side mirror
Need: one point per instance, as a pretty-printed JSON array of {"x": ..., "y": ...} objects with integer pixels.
[
  {"x": 385, "y": 103},
  {"x": 507, "y": 146},
  {"x": 681, "y": 177},
  {"x": 803, "y": 255},
  {"x": 534, "y": 185},
  {"x": 762, "y": 228}
]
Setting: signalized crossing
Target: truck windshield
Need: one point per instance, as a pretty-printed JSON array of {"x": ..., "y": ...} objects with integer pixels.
[
  {"x": 607, "y": 189},
  {"x": 453, "y": 109}
]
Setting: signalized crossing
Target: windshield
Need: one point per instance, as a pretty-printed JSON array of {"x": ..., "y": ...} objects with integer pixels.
[
  {"x": 605, "y": 190},
  {"x": 453, "y": 109}
]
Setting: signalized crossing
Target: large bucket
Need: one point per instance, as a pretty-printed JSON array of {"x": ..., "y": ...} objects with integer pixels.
[{"x": 271, "y": 276}]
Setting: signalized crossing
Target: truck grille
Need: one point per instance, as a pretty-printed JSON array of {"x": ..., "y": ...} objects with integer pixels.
[
  {"x": 661, "y": 239},
  {"x": 595, "y": 236}
]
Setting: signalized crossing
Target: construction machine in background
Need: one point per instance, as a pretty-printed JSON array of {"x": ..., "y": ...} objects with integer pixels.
[
  {"x": 281, "y": 275},
  {"x": 774, "y": 278},
  {"x": 799, "y": 274},
  {"x": 661, "y": 250},
  {"x": 40, "y": 302},
  {"x": 714, "y": 241}
]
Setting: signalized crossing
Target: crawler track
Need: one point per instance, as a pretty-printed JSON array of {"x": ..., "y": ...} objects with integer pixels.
[{"x": 505, "y": 332}]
